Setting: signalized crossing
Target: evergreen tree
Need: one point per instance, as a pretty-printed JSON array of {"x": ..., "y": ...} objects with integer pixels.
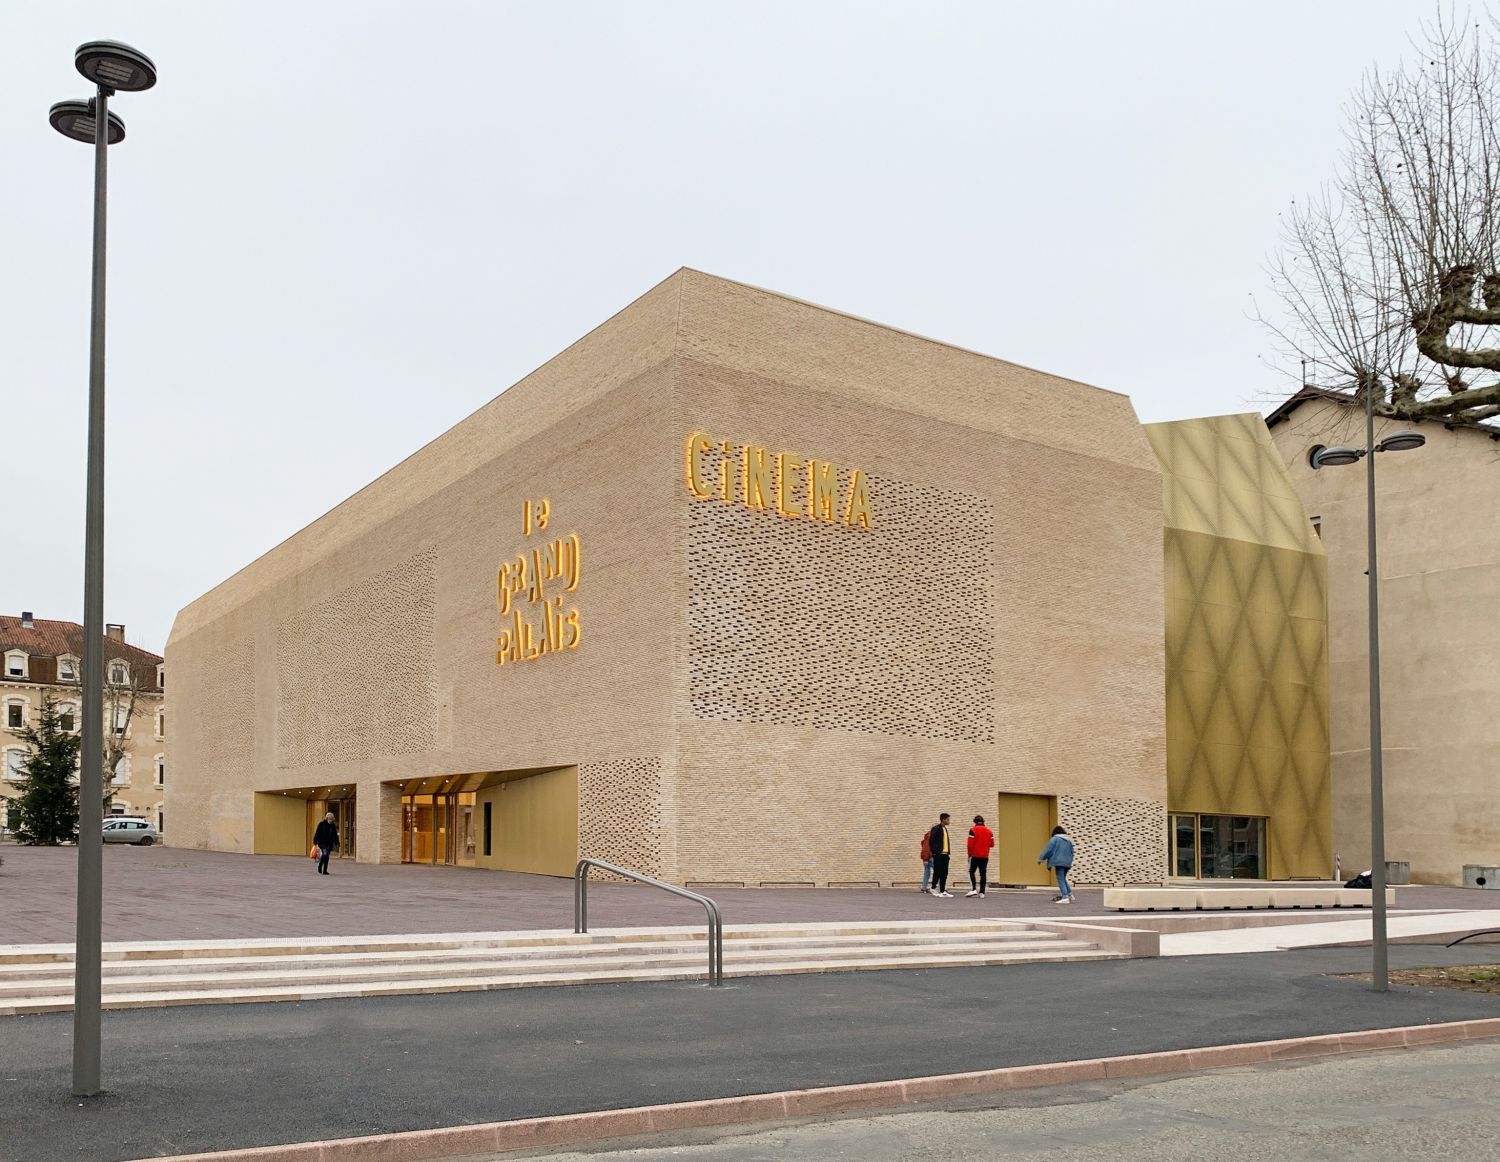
[{"x": 46, "y": 812}]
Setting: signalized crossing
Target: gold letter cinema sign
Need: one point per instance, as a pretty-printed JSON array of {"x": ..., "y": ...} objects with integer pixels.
[
  {"x": 779, "y": 482},
  {"x": 531, "y": 589}
]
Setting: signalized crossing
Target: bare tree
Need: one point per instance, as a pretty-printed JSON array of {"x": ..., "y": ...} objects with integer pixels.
[
  {"x": 1390, "y": 276},
  {"x": 123, "y": 701}
]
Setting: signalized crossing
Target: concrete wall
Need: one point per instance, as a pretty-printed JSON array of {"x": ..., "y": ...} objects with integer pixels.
[
  {"x": 1440, "y": 646},
  {"x": 997, "y": 629},
  {"x": 757, "y": 697}
]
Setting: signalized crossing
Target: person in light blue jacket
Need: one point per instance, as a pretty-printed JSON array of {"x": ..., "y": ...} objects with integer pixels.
[{"x": 1058, "y": 855}]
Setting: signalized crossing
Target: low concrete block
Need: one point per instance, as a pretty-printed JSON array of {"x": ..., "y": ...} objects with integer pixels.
[
  {"x": 1151, "y": 899},
  {"x": 1215, "y": 899}
]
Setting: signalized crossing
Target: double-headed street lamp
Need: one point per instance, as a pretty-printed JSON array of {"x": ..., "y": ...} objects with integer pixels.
[
  {"x": 112, "y": 67},
  {"x": 1403, "y": 441}
]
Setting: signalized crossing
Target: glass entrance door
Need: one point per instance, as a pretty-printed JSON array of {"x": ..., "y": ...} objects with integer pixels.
[{"x": 438, "y": 828}]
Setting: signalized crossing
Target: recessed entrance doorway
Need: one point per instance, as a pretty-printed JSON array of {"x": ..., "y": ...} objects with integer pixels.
[{"x": 520, "y": 820}]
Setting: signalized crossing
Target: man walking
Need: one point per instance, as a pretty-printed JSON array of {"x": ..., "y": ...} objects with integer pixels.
[
  {"x": 937, "y": 839},
  {"x": 981, "y": 840}
]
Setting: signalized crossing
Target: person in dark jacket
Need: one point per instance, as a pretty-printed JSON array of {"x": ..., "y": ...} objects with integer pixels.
[
  {"x": 937, "y": 839},
  {"x": 325, "y": 839}
]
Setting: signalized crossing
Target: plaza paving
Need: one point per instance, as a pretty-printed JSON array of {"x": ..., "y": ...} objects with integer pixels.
[{"x": 162, "y": 893}]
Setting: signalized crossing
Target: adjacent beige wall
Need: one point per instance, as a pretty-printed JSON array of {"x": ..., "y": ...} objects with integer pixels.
[
  {"x": 1440, "y": 644},
  {"x": 534, "y": 824},
  {"x": 1015, "y": 563},
  {"x": 280, "y": 825}
]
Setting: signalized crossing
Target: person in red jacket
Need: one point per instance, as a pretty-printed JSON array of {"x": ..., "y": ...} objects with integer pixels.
[
  {"x": 981, "y": 841},
  {"x": 926, "y": 853}
]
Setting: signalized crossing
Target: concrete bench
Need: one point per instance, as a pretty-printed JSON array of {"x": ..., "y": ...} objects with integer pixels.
[{"x": 1218, "y": 899}]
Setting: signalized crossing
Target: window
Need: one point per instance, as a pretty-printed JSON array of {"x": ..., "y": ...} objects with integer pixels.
[
  {"x": 161, "y": 676},
  {"x": 161, "y": 819},
  {"x": 15, "y": 714},
  {"x": 1317, "y": 524},
  {"x": 161, "y": 770},
  {"x": 16, "y": 663},
  {"x": 122, "y": 719},
  {"x": 161, "y": 724},
  {"x": 67, "y": 668},
  {"x": 1219, "y": 847},
  {"x": 116, "y": 809},
  {"x": 122, "y": 772},
  {"x": 15, "y": 760},
  {"x": 67, "y": 717},
  {"x": 119, "y": 673}
]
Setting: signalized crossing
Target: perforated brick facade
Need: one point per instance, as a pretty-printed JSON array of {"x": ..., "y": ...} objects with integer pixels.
[{"x": 901, "y": 578}]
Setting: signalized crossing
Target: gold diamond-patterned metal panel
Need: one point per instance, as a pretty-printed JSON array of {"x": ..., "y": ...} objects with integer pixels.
[{"x": 1246, "y": 639}]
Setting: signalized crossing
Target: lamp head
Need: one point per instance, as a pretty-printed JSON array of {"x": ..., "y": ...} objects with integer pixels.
[
  {"x": 75, "y": 119},
  {"x": 115, "y": 66},
  {"x": 1335, "y": 457},
  {"x": 1403, "y": 441}
]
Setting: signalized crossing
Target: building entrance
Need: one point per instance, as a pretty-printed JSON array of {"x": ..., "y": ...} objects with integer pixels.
[
  {"x": 438, "y": 828},
  {"x": 342, "y": 809},
  {"x": 1023, "y": 824}
]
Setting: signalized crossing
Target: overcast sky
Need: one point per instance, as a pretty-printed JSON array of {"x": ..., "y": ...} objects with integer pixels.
[{"x": 336, "y": 229}]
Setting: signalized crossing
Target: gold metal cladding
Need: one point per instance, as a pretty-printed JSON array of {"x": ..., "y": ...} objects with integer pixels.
[
  {"x": 540, "y": 578},
  {"x": 759, "y": 478}
]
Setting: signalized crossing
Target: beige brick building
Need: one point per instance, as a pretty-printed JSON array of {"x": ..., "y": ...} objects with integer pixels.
[
  {"x": 1440, "y": 645},
  {"x": 43, "y": 658},
  {"x": 735, "y": 589}
]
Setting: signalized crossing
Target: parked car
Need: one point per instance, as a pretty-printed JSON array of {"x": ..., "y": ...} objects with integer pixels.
[{"x": 129, "y": 829}]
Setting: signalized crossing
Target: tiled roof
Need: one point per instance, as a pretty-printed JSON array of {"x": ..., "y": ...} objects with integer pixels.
[
  {"x": 1349, "y": 399},
  {"x": 49, "y": 639}
]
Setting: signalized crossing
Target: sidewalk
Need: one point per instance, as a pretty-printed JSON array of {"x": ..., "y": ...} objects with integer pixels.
[{"x": 188, "y": 1080}]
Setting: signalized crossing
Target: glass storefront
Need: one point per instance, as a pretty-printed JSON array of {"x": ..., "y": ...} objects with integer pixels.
[
  {"x": 438, "y": 828},
  {"x": 340, "y": 801},
  {"x": 1213, "y": 847}
]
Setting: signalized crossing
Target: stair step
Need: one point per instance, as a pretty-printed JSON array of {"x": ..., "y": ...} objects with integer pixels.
[
  {"x": 166, "y": 975},
  {"x": 460, "y": 941},
  {"x": 61, "y": 1002}
]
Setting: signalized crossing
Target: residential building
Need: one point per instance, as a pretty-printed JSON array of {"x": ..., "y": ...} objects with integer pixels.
[
  {"x": 40, "y": 658},
  {"x": 1440, "y": 649}
]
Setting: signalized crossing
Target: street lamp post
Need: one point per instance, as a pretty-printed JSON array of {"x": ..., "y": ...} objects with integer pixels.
[
  {"x": 1403, "y": 441},
  {"x": 111, "y": 66}
]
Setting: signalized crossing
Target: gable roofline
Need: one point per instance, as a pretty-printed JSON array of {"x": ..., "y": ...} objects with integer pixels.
[{"x": 1348, "y": 399}]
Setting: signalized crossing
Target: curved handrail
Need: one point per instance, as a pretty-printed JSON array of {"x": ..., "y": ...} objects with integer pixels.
[
  {"x": 715, "y": 921},
  {"x": 1471, "y": 935}
]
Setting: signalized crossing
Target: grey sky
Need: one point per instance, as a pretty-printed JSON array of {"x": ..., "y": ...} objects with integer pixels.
[{"x": 338, "y": 228}]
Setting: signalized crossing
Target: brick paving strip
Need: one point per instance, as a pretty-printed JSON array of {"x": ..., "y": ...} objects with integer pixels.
[{"x": 569, "y": 1130}]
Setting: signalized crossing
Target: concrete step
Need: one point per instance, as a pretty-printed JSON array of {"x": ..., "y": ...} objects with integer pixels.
[
  {"x": 147, "y": 950},
  {"x": 40, "y": 978},
  {"x": 265, "y": 971},
  {"x": 62, "y": 1002}
]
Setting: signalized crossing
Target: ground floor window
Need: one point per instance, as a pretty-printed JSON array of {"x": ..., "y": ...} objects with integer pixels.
[{"x": 1212, "y": 847}]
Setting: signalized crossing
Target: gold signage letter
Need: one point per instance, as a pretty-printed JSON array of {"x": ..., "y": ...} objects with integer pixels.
[{"x": 697, "y": 445}]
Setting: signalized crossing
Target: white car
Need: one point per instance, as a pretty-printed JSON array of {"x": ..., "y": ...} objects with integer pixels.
[{"x": 129, "y": 829}]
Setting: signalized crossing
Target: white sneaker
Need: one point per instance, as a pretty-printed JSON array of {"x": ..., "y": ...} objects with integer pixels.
[
  {"x": 945, "y": 895},
  {"x": 972, "y": 893},
  {"x": 1064, "y": 900}
]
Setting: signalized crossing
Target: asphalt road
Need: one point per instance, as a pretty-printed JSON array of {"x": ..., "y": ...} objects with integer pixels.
[
  {"x": 218, "y": 1077},
  {"x": 1433, "y": 1103}
]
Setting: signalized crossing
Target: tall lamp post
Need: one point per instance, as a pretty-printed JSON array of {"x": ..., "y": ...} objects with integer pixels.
[
  {"x": 1403, "y": 441},
  {"x": 112, "y": 67}
]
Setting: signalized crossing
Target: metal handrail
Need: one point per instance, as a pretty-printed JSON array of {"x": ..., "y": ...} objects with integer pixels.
[
  {"x": 715, "y": 922},
  {"x": 1471, "y": 935}
]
